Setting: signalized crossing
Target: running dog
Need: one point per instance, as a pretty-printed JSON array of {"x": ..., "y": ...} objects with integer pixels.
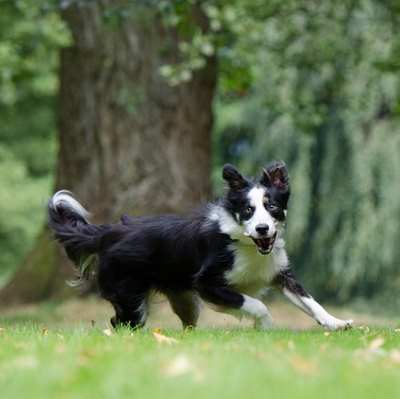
[{"x": 225, "y": 254}]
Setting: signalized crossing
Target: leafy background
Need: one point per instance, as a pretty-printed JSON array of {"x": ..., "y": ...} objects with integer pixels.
[{"x": 313, "y": 83}]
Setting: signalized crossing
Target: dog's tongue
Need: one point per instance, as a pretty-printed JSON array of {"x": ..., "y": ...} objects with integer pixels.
[{"x": 263, "y": 243}]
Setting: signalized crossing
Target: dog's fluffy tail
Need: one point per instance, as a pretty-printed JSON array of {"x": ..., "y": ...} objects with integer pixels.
[{"x": 69, "y": 221}]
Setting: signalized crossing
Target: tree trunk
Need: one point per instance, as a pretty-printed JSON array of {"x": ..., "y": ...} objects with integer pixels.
[{"x": 128, "y": 141}]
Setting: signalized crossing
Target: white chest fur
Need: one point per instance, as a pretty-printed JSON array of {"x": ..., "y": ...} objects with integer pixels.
[{"x": 253, "y": 272}]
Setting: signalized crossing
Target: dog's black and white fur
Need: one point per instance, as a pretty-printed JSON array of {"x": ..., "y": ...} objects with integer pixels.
[{"x": 227, "y": 254}]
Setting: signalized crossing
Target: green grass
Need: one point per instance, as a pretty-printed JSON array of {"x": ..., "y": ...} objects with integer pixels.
[{"x": 84, "y": 362}]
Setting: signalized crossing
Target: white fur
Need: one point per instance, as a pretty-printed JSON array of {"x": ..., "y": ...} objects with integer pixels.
[
  {"x": 261, "y": 215},
  {"x": 257, "y": 310},
  {"x": 279, "y": 254},
  {"x": 143, "y": 310},
  {"x": 251, "y": 271},
  {"x": 65, "y": 198},
  {"x": 323, "y": 317},
  {"x": 315, "y": 310},
  {"x": 226, "y": 222}
]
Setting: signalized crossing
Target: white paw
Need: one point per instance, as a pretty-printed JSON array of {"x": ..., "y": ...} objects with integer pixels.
[{"x": 333, "y": 324}]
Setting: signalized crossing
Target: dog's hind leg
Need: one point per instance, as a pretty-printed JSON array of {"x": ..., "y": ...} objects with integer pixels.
[
  {"x": 130, "y": 301},
  {"x": 131, "y": 313},
  {"x": 186, "y": 306},
  {"x": 127, "y": 293}
]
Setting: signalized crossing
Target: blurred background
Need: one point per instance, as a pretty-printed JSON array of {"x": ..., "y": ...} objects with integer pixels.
[{"x": 136, "y": 105}]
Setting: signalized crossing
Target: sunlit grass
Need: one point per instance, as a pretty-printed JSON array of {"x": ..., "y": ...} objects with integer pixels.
[{"x": 86, "y": 362}]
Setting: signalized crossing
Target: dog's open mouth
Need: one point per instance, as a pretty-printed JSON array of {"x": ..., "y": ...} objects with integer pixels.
[{"x": 265, "y": 245}]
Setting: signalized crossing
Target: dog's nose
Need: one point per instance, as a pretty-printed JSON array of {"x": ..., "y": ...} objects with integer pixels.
[{"x": 262, "y": 229}]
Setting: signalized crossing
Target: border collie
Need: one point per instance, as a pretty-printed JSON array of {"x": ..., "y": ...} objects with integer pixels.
[{"x": 225, "y": 254}]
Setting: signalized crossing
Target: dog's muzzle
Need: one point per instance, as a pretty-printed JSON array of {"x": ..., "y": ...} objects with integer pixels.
[{"x": 265, "y": 244}]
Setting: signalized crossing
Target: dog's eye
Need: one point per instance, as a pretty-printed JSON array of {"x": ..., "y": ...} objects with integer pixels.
[
  {"x": 272, "y": 208},
  {"x": 248, "y": 211}
]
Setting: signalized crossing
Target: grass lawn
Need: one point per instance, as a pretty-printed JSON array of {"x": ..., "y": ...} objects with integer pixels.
[{"x": 45, "y": 355}]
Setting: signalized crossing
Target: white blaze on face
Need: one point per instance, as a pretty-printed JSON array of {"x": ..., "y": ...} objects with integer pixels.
[{"x": 260, "y": 215}]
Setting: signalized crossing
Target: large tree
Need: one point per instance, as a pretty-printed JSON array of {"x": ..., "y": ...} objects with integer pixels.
[{"x": 129, "y": 139}]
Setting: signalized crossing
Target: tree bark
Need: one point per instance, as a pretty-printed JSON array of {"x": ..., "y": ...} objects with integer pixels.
[{"x": 128, "y": 141}]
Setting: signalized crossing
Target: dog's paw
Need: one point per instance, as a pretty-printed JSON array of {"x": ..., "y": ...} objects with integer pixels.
[{"x": 334, "y": 324}]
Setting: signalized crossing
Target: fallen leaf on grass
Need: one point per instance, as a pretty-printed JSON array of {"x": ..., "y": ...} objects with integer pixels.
[
  {"x": 394, "y": 356},
  {"x": 107, "y": 332},
  {"x": 45, "y": 331},
  {"x": 303, "y": 366},
  {"x": 22, "y": 345},
  {"x": 291, "y": 345},
  {"x": 88, "y": 353},
  {"x": 26, "y": 362},
  {"x": 372, "y": 351},
  {"x": 163, "y": 339},
  {"x": 260, "y": 355},
  {"x": 86, "y": 356},
  {"x": 178, "y": 366},
  {"x": 323, "y": 347},
  {"x": 376, "y": 344},
  {"x": 182, "y": 365},
  {"x": 205, "y": 346},
  {"x": 60, "y": 349}
]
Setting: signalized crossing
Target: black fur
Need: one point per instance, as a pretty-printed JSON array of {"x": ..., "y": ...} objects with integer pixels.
[
  {"x": 275, "y": 179},
  {"x": 183, "y": 257},
  {"x": 164, "y": 253},
  {"x": 78, "y": 237},
  {"x": 286, "y": 279}
]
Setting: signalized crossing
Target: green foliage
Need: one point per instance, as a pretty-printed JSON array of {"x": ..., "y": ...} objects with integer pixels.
[
  {"x": 325, "y": 98},
  {"x": 29, "y": 38},
  {"x": 314, "y": 83},
  {"x": 22, "y": 202}
]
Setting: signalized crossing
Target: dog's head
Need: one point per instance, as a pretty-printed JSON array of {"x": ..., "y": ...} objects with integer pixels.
[{"x": 258, "y": 207}]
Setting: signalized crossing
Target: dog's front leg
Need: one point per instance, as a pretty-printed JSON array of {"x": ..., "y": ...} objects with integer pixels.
[
  {"x": 294, "y": 291},
  {"x": 227, "y": 299},
  {"x": 258, "y": 311}
]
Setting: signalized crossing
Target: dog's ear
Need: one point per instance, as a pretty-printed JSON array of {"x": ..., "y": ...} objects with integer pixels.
[
  {"x": 235, "y": 180},
  {"x": 276, "y": 175}
]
